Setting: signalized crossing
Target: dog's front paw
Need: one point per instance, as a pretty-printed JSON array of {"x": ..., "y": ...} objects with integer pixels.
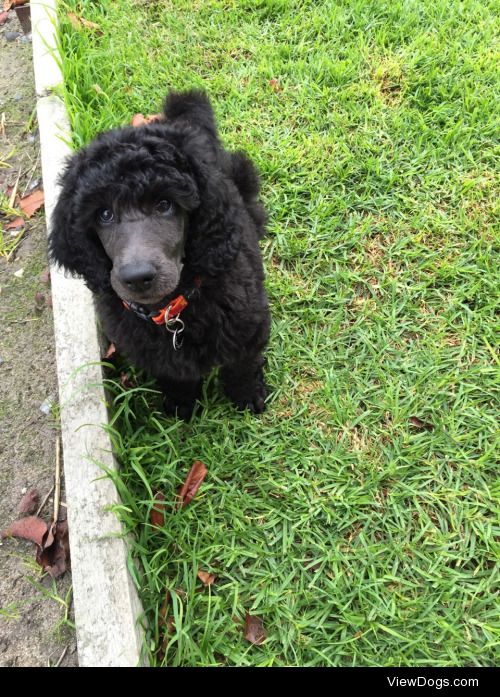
[
  {"x": 256, "y": 403},
  {"x": 181, "y": 411}
]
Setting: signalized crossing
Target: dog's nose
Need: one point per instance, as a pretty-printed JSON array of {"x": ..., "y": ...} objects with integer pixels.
[{"x": 138, "y": 276}]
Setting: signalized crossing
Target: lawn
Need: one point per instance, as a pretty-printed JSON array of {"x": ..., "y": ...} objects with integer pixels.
[{"x": 357, "y": 516}]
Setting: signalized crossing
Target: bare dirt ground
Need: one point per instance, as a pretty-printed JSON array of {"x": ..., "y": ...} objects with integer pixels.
[{"x": 35, "y": 611}]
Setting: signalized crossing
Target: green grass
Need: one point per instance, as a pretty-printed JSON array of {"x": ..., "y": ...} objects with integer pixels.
[{"x": 358, "y": 537}]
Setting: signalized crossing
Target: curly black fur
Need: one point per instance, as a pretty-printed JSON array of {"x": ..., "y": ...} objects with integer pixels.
[{"x": 180, "y": 158}]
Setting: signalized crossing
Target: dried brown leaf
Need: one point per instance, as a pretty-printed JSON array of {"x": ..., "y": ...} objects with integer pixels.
[
  {"x": 32, "y": 203},
  {"x": 421, "y": 425},
  {"x": 45, "y": 276},
  {"x": 17, "y": 222},
  {"x": 90, "y": 25},
  {"x": 31, "y": 528},
  {"x": 125, "y": 380},
  {"x": 39, "y": 299},
  {"x": 53, "y": 555},
  {"x": 141, "y": 120},
  {"x": 165, "y": 625},
  {"x": 163, "y": 613},
  {"x": 79, "y": 22},
  {"x": 73, "y": 20},
  {"x": 254, "y": 630},
  {"x": 29, "y": 502},
  {"x": 157, "y": 516},
  {"x": 110, "y": 352},
  {"x": 206, "y": 578},
  {"x": 195, "y": 477}
]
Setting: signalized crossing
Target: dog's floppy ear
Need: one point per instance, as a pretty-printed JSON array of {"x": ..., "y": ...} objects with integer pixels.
[
  {"x": 72, "y": 244},
  {"x": 214, "y": 228}
]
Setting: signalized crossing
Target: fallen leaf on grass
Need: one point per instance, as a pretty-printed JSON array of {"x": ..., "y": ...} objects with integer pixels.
[
  {"x": 53, "y": 554},
  {"x": 274, "y": 85},
  {"x": 125, "y": 381},
  {"x": 32, "y": 203},
  {"x": 254, "y": 630},
  {"x": 157, "y": 516},
  {"x": 31, "y": 528},
  {"x": 206, "y": 578},
  {"x": 166, "y": 625},
  {"x": 421, "y": 425},
  {"x": 188, "y": 491},
  {"x": 79, "y": 22},
  {"x": 162, "y": 615},
  {"x": 141, "y": 120},
  {"x": 29, "y": 502},
  {"x": 17, "y": 222}
]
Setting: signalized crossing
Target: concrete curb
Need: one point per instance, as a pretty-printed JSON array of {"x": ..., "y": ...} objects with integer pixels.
[{"x": 106, "y": 603}]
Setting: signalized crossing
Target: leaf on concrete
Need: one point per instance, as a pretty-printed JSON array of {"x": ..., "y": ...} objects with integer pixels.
[
  {"x": 32, "y": 203},
  {"x": 254, "y": 630},
  {"x": 196, "y": 475},
  {"x": 29, "y": 502},
  {"x": 31, "y": 528}
]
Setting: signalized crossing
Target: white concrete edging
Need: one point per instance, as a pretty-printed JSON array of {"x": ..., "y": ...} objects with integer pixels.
[{"x": 107, "y": 607}]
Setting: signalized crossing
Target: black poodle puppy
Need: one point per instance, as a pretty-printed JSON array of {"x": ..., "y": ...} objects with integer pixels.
[{"x": 163, "y": 224}]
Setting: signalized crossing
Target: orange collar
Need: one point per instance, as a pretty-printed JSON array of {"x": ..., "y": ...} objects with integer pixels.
[{"x": 170, "y": 312}]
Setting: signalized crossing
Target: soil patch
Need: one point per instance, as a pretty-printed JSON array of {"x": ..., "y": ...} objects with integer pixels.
[{"x": 35, "y": 611}]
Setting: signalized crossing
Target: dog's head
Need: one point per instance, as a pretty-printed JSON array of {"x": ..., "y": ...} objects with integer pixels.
[{"x": 138, "y": 204}]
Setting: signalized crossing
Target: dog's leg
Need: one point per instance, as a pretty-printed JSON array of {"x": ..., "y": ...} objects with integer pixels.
[
  {"x": 179, "y": 397},
  {"x": 244, "y": 383}
]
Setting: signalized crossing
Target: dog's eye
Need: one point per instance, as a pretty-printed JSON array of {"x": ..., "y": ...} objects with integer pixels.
[
  {"x": 106, "y": 216},
  {"x": 164, "y": 207}
]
